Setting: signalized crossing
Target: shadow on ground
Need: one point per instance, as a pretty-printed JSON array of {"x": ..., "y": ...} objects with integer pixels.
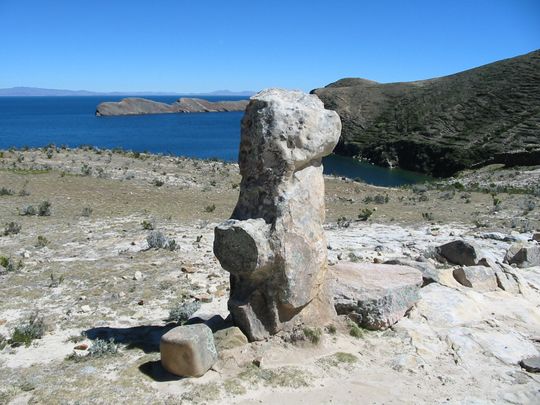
[
  {"x": 155, "y": 371},
  {"x": 147, "y": 337}
]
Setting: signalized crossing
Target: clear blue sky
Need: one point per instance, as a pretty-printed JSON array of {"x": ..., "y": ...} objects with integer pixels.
[{"x": 190, "y": 46}]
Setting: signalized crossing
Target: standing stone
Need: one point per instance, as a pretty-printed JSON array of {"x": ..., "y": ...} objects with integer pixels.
[
  {"x": 188, "y": 350},
  {"x": 274, "y": 244}
]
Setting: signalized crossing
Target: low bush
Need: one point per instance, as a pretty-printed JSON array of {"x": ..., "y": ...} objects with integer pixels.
[
  {"x": 181, "y": 312},
  {"x": 12, "y": 228},
  {"x": 156, "y": 240},
  {"x": 25, "y": 334},
  {"x": 44, "y": 209}
]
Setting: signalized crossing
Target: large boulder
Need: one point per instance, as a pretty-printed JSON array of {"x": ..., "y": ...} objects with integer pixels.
[
  {"x": 523, "y": 254},
  {"x": 461, "y": 252},
  {"x": 374, "y": 295},
  {"x": 274, "y": 244},
  {"x": 188, "y": 350}
]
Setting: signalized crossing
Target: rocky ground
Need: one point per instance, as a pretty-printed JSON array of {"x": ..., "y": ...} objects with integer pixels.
[{"x": 86, "y": 267}]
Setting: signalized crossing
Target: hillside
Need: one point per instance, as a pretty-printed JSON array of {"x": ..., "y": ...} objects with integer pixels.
[{"x": 443, "y": 125}]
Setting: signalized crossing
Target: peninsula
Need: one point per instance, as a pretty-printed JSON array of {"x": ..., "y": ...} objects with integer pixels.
[{"x": 139, "y": 106}]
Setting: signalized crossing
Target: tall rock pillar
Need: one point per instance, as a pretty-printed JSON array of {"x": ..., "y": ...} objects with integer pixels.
[{"x": 274, "y": 244}]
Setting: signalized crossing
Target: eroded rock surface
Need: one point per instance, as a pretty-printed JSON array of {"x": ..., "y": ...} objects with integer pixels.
[
  {"x": 375, "y": 295},
  {"x": 274, "y": 244}
]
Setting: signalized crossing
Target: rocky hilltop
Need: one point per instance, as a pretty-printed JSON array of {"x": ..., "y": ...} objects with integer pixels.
[
  {"x": 443, "y": 125},
  {"x": 138, "y": 106}
]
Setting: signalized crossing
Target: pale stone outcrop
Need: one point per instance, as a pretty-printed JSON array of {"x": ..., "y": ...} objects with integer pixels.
[
  {"x": 523, "y": 254},
  {"x": 480, "y": 278},
  {"x": 274, "y": 244},
  {"x": 188, "y": 350},
  {"x": 374, "y": 295}
]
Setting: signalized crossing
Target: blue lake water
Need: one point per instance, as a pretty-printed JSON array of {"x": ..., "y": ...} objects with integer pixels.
[{"x": 71, "y": 121}]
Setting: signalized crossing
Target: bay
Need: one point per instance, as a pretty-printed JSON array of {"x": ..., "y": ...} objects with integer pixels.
[{"x": 71, "y": 121}]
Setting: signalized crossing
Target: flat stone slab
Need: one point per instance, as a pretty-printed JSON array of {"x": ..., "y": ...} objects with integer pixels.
[
  {"x": 374, "y": 295},
  {"x": 531, "y": 364},
  {"x": 188, "y": 350},
  {"x": 479, "y": 278}
]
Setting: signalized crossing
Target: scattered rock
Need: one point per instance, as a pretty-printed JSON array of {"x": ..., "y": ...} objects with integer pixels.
[
  {"x": 188, "y": 269},
  {"x": 531, "y": 364},
  {"x": 137, "y": 276},
  {"x": 274, "y": 246},
  {"x": 536, "y": 236},
  {"x": 258, "y": 362},
  {"x": 480, "y": 278},
  {"x": 206, "y": 298},
  {"x": 82, "y": 346},
  {"x": 86, "y": 308},
  {"x": 375, "y": 295},
  {"x": 141, "y": 302},
  {"x": 229, "y": 338},
  {"x": 498, "y": 236},
  {"x": 523, "y": 254},
  {"x": 461, "y": 252},
  {"x": 188, "y": 350}
]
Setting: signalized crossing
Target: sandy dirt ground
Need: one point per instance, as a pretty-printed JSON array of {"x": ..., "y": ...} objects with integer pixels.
[{"x": 88, "y": 271}]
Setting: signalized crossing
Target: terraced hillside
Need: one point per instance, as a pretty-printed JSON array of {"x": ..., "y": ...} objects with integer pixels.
[{"x": 442, "y": 125}]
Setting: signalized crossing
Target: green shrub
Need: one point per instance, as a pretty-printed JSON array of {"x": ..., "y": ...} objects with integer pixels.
[
  {"x": 44, "y": 209},
  {"x": 42, "y": 241},
  {"x": 6, "y": 191},
  {"x": 365, "y": 214},
  {"x": 24, "y": 334},
  {"x": 313, "y": 334},
  {"x": 181, "y": 312},
  {"x": 12, "y": 228},
  {"x": 148, "y": 225},
  {"x": 9, "y": 264},
  {"x": 102, "y": 348},
  {"x": 29, "y": 210},
  {"x": 355, "y": 330},
  {"x": 156, "y": 240},
  {"x": 210, "y": 208}
]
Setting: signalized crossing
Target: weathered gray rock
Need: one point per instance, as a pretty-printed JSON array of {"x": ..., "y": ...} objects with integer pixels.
[
  {"x": 375, "y": 295},
  {"x": 140, "y": 106},
  {"x": 429, "y": 272},
  {"x": 229, "y": 338},
  {"x": 480, "y": 278},
  {"x": 523, "y": 254},
  {"x": 536, "y": 236},
  {"x": 461, "y": 252},
  {"x": 531, "y": 364},
  {"x": 188, "y": 350},
  {"x": 274, "y": 244}
]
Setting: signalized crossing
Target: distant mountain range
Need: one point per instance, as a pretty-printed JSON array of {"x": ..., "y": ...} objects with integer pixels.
[
  {"x": 443, "y": 125},
  {"x": 36, "y": 91}
]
